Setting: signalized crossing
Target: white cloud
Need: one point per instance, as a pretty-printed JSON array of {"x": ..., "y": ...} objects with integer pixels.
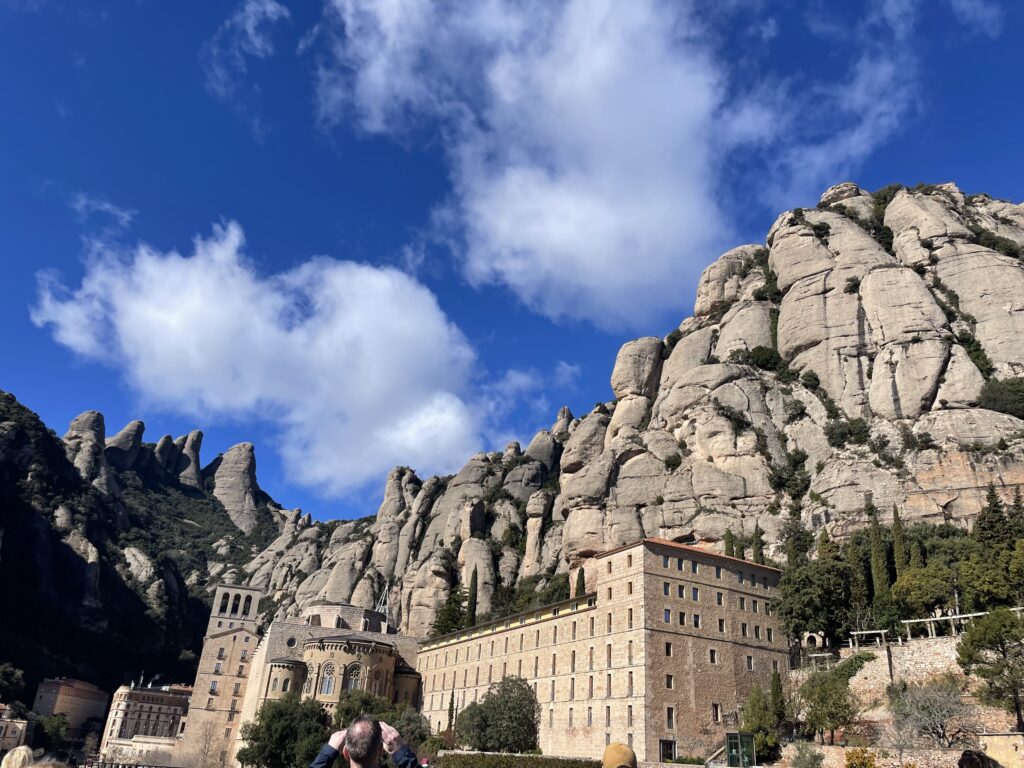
[
  {"x": 245, "y": 34},
  {"x": 86, "y": 206},
  {"x": 357, "y": 365},
  {"x": 596, "y": 148}
]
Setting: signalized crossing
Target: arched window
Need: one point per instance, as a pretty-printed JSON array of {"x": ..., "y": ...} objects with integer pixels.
[
  {"x": 327, "y": 681},
  {"x": 247, "y": 605},
  {"x": 234, "y": 604},
  {"x": 273, "y": 684},
  {"x": 286, "y": 685},
  {"x": 224, "y": 603},
  {"x": 353, "y": 677},
  {"x": 307, "y": 686}
]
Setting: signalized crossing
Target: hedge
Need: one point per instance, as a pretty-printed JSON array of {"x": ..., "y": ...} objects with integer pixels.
[{"x": 490, "y": 760}]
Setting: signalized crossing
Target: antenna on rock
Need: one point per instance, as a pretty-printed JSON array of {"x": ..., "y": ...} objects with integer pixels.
[{"x": 384, "y": 602}]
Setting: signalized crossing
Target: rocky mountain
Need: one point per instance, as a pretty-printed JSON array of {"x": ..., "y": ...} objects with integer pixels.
[{"x": 865, "y": 354}]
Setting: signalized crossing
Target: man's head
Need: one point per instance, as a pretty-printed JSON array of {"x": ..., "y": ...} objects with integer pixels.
[
  {"x": 363, "y": 742},
  {"x": 618, "y": 755}
]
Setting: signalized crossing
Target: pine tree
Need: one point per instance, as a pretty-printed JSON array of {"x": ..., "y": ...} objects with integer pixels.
[
  {"x": 991, "y": 527},
  {"x": 916, "y": 554},
  {"x": 900, "y": 554},
  {"x": 450, "y": 616},
  {"x": 581, "y": 582},
  {"x": 1016, "y": 515},
  {"x": 471, "y": 601},
  {"x": 795, "y": 538},
  {"x": 730, "y": 543},
  {"x": 879, "y": 561},
  {"x": 757, "y": 545}
]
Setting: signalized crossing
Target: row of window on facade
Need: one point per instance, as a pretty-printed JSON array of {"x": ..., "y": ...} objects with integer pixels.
[
  {"x": 666, "y": 562},
  {"x": 696, "y": 623}
]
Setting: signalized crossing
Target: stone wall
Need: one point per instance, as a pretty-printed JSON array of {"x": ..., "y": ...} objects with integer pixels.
[{"x": 835, "y": 757}]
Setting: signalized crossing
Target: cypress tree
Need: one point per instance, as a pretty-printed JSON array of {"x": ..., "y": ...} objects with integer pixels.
[
  {"x": 471, "y": 600},
  {"x": 796, "y": 538},
  {"x": 991, "y": 527},
  {"x": 778, "y": 701},
  {"x": 916, "y": 554},
  {"x": 581, "y": 582},
  {"x": 730, "y": 543},
  {"x": 879, "y": 564},
  {"x": 899, "y": 543},
  {"x": 858, "y": 581},
  {"x": 757, "y": 546},
  {"x": 1016, "y": 515},
  {"x": 451, "y": 710},
  {"x": 827, "y": 549}
]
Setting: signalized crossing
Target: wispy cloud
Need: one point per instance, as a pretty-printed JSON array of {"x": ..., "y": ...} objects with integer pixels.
[
  {"x": 983, "y": 16},
  {"x": 244, "y": 36},
  {"x": 87, "y": 207}
]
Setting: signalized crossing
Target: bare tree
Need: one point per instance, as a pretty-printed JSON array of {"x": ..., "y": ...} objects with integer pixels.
[
  {"x": 900, "y": 735},
  {"x": 937, "y": 710},
  {"x": 202, "y": 745}
]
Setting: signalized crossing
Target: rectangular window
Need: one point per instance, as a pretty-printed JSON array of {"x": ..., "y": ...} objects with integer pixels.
[
  {"x": 591, "y": 627},
  {"x": 590, "y": 716},
  {"x": 682, "y": 618},
  {"x": 753, "y": 605},
  {"x": 716, "y": 713},
  {"x": 536, "y": 666},
  {"x": 679, "y": 563},
  {"x": 664, "y": 561},
  {"x": 573, "y": 635},
  {"x": 629, "y": 715},
  {"x": 519, "y": 671},
  {"x": 668, "y": 750},
  {"x": 554, "y": 634},
  {"x": 608, "y": 717},
  {"x": 552, "y": 690},
  {"x": 551, "y": 712},
  {"x": 670, "y": 718},
  {"x": 609, "y": 593},
  {"x": 743, "y": 629},
  {"x": 693, "y": 566},
  {"x": 750, "y": 663},
  {"x": 696, "y": 621},
  {"x": 629, "y": 653},
  {"x": 718, "y": 598},
  {"x": 629, "y": 618},
  {"x": 668, "y": 649},
  {"x": 770, "y": 633},
  {"x": 668, "y": 682},
  {"x": 521, "y": 638},
  {"x": 718, "y": 571},
  {"x": 695, "y": 593},
  {"x": 609, "y": 566},
  {"x": 572, "y": 687},
  {"x": 629, "y": 587},
  {"x": 743, "y": 603},
  {"x": 241, "y": 670},
  {"x": 237, "y": 689},
  {"x": 665, "y": 588},
  {"x": 590, "y": 659},
  {"x": 757, "y": 632},
  {"x": 712, "y": 655},
  {"x": 629, "y": 561},
  {"x": 668, "y": 616},
  {"x": 572, "y": 662},
  {"x": 553, "y": 663},
  {"x": 739, "y": 575},
  {"x": 504, "y": 669},
  {"x": 609, "y": 660},
  {"x": 608, "y": 687},
  {"x": 775, "y": 666},
  {"x": 629, "y": 684},
  {"x": 609, "y": 622},
  {"x": 590, "y": 687}
]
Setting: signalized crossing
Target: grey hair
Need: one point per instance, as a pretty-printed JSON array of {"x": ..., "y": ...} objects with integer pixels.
[
  {"x": 364, "y": 740},
  {"x": 17, "y": 758}
]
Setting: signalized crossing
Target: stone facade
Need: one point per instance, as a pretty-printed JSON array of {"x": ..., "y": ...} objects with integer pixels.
[
  {"x": 223, "y": 676},
  {"x": 77, "y": 700},
  {"x": 660, "y": 653},
  {"x": 12, "y": 730},
  {"x": 328, "y": 648},
  {"x": 137, "y": 713}
]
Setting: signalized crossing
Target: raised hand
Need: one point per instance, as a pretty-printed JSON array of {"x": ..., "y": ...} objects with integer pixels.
[
  {"x": 337, "y": 740},
  {"x": 392, "y": 740}
]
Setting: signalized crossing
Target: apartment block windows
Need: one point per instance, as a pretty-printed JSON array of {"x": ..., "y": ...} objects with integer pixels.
[
  {"x": 718, "y": 571},
  {"x": 608, "y": 717},
  {"x": 668, "y": 616},
  {"x": 770, "y": 635},
  {"x": 682, "y": 618},
  {"x": 679, "y": 564},
  {"x": 629, "y": 561},
  {"x": 681, "y": 591},
  {"x": 591, "y": 627},
  {"x": 590, "y": 716},
  {"x": 743, "y": 603},
  {"x": 670, "y": 718},
  {"x": 608, "y": 687},
  {"x": 696, "y": 621},
  {"x": 629, "y": 684},
  {"x": 572, "y": 687},
  {"x": 572, "y": 662},
  {"x": 629, "y": 652},
  {"x": 750, "y": 663},
  {"x": 693, "y": 566},
  {"x": 665, "y": 588},
  {"x": 712, "y": 656},
  {"x": 695, "y": 593},
  {"x": 608, "y": 663},
  {"x": 743, "y": 629},
  {"x": 590, "y": 658},
  {"x": 590, "y": 687},
  {"x": 629, "y": 618},
  {"x": 629, "y": 587},
  {"x": 554, "y": 662},
  {"x": 609, "y": 622},
  {"x": 718, "y": 598},
  {"x": 664, "y": 561},
  {"x": 552, "y": 690},
  {"x": 668, "y": 649},
  {"x": 716, "y": 713},
  {"x": 757, "y": 632},
  {"x": 668, "y": 682}
]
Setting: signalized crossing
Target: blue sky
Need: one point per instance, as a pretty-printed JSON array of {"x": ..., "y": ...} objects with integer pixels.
[{"x": 364, "y": 233}]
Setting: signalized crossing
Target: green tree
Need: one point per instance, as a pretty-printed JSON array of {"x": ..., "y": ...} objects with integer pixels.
[
  {"x": 984, "y": 580},
  {"x": 581, "y": 583},
  {"x": 451, "y": 710},
  {"x": 759, "y": 719},
  {"x": 51, "y": 732},
  {"x": 450, "y": 616},
  {"x": 409, "y": 722},
  {"x": 352, "y": 704},
  {"x": 918, "y": 591},
  {"x": 879, "y": 559},
  {"x": 993, "y": 650},
  {"x": 1015, "y": 514},
  {"x": 730, "y": 543},
  {"x": 506, "y": 719},
  {"x": 827, "y": 550},
  {"x": 286, "y": 733},
  {"x": 991, "y": 528},
  {"x": 471, "y": 600},
  {"x": 900, "y": 553},
  {"x": 828, "y": 704},
  {"x": 757, "y": 545},
  {"x": 815, "y": 598},
  {"x": 12, "y": 682},
  {"x": 778, "y": 699},
  {"x": 1016, "y": 568},
  {"x": 796, "y": 539}
]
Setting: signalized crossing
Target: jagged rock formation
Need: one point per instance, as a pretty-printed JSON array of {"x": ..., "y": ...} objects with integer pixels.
[
  {"x": 834, "y": 366},
  {"x": 837, "y": 365}
]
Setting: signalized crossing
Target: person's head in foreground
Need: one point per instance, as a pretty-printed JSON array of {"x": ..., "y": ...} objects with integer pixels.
[
  {"x": 363, "y": 742},
  {"x": 18, "y": 757},
  {"x": 618, "y": 755}
]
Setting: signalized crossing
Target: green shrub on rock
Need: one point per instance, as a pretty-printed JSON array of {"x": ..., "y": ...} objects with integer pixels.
[{"x": 1004, "y": 395}]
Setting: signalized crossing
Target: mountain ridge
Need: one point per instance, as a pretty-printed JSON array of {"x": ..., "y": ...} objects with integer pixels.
[{"x": 838, "y": 366}]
